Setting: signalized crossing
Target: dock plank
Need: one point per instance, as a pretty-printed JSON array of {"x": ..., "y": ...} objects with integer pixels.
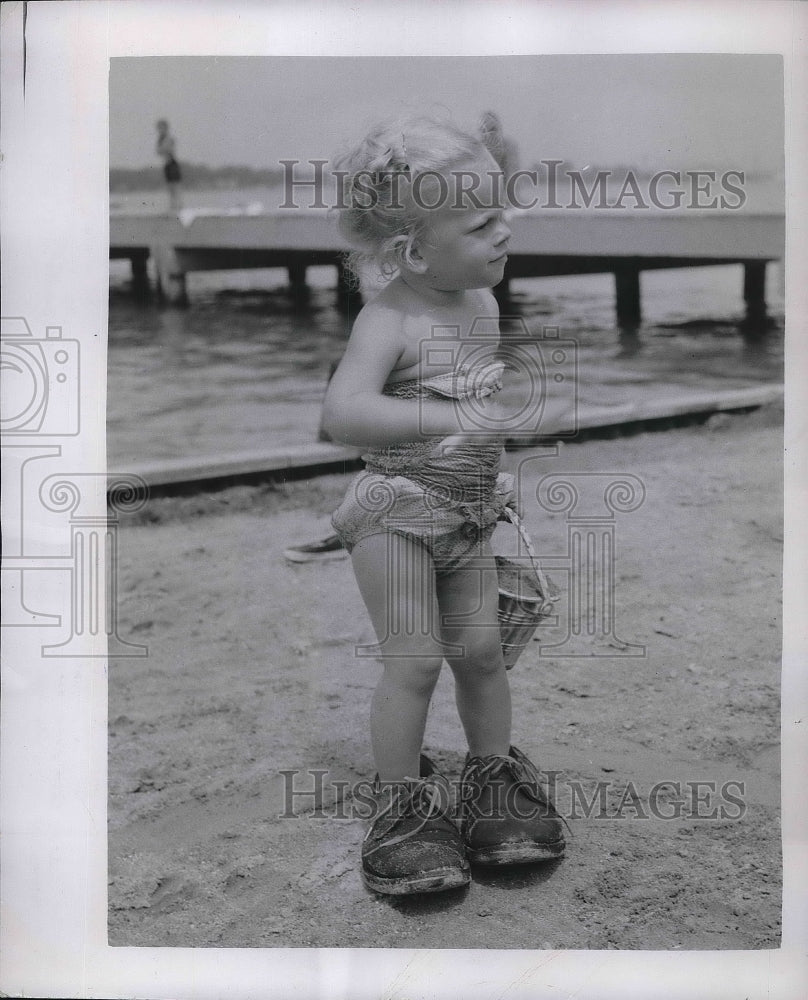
[
  {"x": 583, "y": 234},
  {"x": 314, "y": 458}
]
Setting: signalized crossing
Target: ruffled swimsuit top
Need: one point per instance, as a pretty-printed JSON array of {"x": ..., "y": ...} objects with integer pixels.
[{"x": 467, "y": 475}]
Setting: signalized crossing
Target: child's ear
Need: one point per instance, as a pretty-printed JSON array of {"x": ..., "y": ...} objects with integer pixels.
[{"x": 411, "y": 255}]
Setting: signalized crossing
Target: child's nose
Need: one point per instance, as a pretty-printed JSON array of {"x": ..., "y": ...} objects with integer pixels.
[{"x": 503, "y": 231}]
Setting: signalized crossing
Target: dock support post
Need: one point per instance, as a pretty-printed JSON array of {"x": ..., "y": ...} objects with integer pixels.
[
  {"x": 297, "y": 279},
  {"x": 140, "y": 275},
  {"x": 170, "y": 276},
  {"x": 627, "y": 289},
  {"x": 754, "y": 293}
]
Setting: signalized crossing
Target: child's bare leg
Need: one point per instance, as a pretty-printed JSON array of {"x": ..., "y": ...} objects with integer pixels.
[
  {"x": 396, "y": 579},
  {"x": 468, "y": 607},
  {"x": 506, "y": 818}
]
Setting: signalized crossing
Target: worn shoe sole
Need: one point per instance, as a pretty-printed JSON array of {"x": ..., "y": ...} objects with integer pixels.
[
  {"x": 516, "y": 853},
  {"x": 436, "y": 881},
  {"x": 295, "y": 556}
]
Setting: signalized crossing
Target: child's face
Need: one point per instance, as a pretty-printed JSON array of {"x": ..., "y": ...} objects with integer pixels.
[{"x": 464, "y": 245}]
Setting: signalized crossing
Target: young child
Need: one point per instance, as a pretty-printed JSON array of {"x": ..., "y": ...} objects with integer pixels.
[{"x": 418, "y": 391}]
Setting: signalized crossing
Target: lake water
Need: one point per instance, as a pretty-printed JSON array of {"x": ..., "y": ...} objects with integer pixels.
[{"x": 245, "y": 367}]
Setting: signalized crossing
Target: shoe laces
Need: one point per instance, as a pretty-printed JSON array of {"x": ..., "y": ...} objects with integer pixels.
[
  {"x": 422, "y": 798},
  {"x": 489, "y": 767},
  {"x": 522, "y": 771}
]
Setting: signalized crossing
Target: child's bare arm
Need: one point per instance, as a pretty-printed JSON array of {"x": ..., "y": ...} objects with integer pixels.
[{"x": 356, "y": 412}]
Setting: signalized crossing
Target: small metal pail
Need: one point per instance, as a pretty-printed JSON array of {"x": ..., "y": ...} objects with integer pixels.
[
  {"x": 518, "y": 621},
  {"x": 525, "y": 599}
]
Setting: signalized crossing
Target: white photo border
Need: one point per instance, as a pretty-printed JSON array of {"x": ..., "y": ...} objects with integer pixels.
[{"x": 54, "y": 176}]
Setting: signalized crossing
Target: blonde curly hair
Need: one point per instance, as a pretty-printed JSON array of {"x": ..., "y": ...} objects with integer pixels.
[{"x": 377, "y": 213}]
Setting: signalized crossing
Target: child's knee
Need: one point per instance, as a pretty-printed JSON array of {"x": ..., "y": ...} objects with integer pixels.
[
  {"x": 418, "y": 674},
  {"x": 481, "y": 652}
]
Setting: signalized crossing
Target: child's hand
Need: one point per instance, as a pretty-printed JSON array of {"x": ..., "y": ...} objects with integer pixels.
[
  {"x": 485, "y": 424},
  {"x": 455, "y": 442}
]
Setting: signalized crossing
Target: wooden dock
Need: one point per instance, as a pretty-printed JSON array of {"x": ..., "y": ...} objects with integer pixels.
[
  {"x": 545, "y": 242},
  {"x": 658, "y": 406}
]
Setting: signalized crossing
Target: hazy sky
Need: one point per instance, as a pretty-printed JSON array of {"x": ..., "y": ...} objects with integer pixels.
[{"x": 690, "y": 110}]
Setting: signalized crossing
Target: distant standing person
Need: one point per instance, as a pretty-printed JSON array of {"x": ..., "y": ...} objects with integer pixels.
[
  {"x": 503, "y": 149},
  {"x": 166, "y": 148}
]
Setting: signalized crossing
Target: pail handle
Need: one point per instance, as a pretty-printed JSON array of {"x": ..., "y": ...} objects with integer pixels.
[{"x": 516, "y": 521}]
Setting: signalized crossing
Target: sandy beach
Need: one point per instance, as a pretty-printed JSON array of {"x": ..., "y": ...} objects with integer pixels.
[{"x": 252, "y": 672}]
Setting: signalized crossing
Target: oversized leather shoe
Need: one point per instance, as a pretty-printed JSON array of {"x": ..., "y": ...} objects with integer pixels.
[
  {"x": 412, "y": 845},
  {"x": 506, "y": 818}
]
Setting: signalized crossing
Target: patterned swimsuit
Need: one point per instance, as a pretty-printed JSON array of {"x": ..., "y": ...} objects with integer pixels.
[{"x": 449, "y": 503}]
